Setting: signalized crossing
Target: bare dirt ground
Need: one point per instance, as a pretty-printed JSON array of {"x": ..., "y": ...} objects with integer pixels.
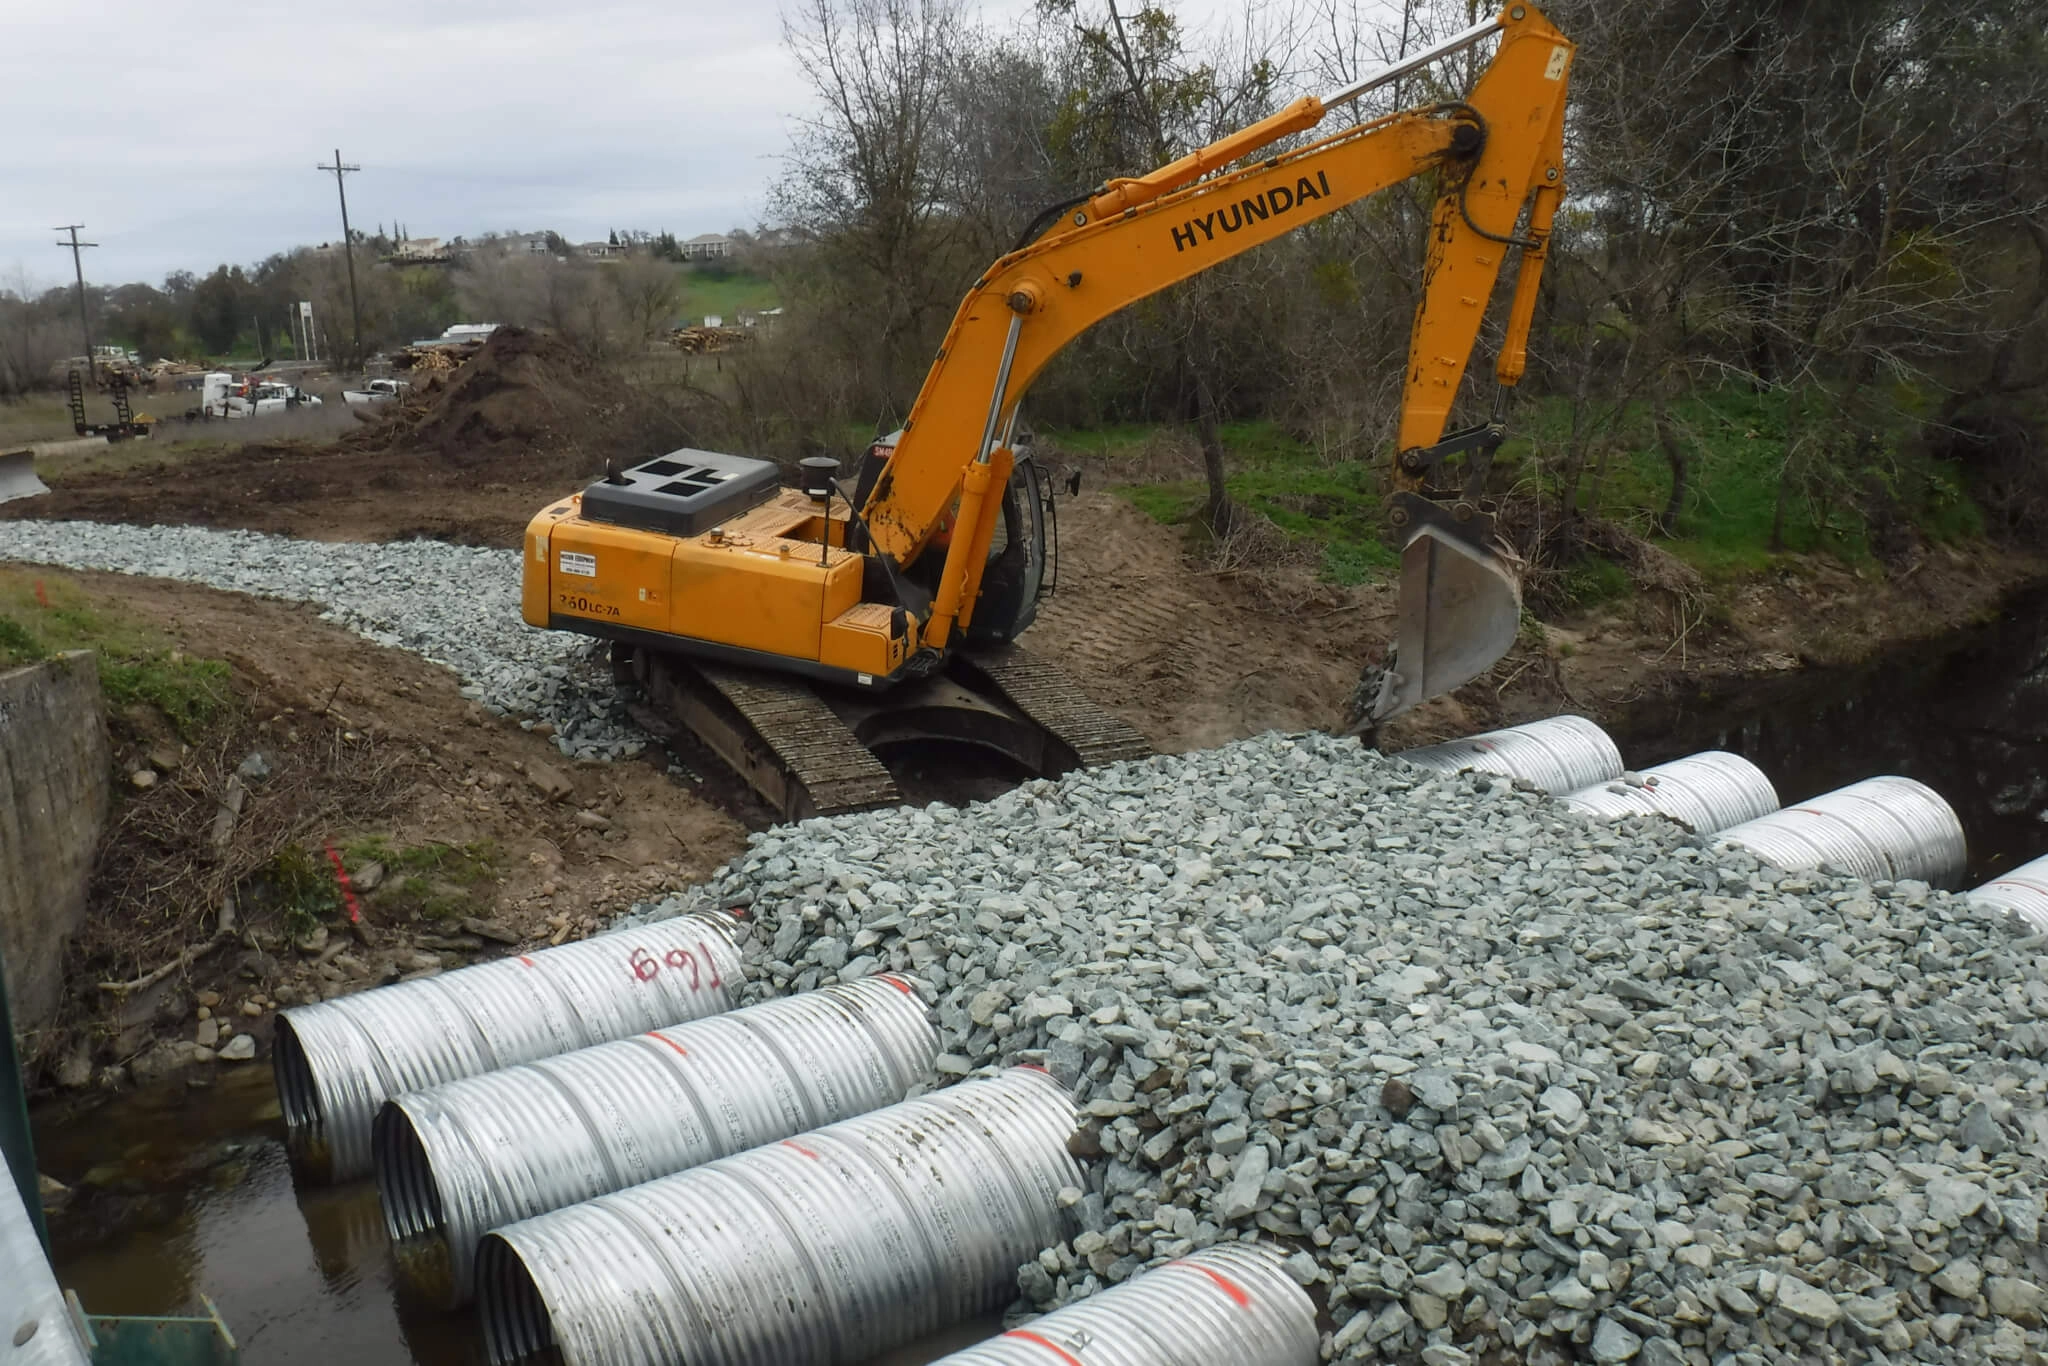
[
  {"x": 468, "y": 457},
  {"x": 1194, "y": 658}
]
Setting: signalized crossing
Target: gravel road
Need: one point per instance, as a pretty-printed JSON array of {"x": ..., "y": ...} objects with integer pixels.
[
  {"x": 1518, "y": 1086},
  {"x": 455, "y": 605}
]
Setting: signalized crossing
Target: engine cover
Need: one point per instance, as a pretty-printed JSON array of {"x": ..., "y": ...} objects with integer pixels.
[{"x": 683, "y": 493}]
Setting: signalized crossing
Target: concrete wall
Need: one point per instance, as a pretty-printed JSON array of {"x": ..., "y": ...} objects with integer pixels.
[{"x": 53, "y": 807}]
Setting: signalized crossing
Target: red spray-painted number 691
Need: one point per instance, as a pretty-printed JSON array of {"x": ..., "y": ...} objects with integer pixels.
[{"x": 646, "y": 967}]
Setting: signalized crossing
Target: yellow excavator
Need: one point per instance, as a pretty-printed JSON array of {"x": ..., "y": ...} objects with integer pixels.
[{"x": 799, "y": 631}]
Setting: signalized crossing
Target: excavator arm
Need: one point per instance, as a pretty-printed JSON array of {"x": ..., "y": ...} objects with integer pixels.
[{"x": 1496, "y": 153}]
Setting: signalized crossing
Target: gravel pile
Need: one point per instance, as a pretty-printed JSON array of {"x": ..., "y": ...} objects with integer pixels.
[
  {"x": 455, "y": 605},
  {"x": 1517, "y": 1086}
]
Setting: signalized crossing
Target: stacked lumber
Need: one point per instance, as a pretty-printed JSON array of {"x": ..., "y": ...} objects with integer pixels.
[{"x": 700, "y": 341}]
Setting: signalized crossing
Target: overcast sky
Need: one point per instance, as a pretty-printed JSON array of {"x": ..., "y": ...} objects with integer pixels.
[{"x": 183, "y": 134}]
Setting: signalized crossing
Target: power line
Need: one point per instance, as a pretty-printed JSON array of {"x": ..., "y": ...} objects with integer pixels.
[
  {"x": 348, "y": 251},
  {"x": 78, "y": 270}
]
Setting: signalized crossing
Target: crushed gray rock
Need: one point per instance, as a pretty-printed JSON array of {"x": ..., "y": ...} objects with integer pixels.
[
  {"x": 1519, "y": 1086},
  {"x": 456, "y": 605}
]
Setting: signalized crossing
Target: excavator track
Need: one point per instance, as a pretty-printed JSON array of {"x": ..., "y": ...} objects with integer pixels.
[
  {"x": 776, "y": 733},
  {"x": 803, "y": 752},
  {"x": 1052, "y": 702}
]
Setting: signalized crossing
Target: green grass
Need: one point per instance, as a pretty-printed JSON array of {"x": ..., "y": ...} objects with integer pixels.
[
  {"x": 1116, "y": 439},
  {"x": 1334, "y": 505},
  {"x": 1736, "y": 439},
  {"x": 44, "y": 417},
  {"x": 43, "y": 614},
  {"x": 1593, "y": 582},
  {"x": 301, "y": 885},
  {"x": 432, "y": 881},
  {"x": 725, "y": 296},
  {"x": 18, "y": 645}
]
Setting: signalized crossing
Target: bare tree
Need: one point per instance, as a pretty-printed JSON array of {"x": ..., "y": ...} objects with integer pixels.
[
  {"x": 865, "y": 181},
  {"x": 1145, "y": 92}
]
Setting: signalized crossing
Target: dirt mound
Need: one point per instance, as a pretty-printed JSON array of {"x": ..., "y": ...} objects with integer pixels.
[
  {"x": 467, "y": 457},
  {"x": 525, "y": 393}
]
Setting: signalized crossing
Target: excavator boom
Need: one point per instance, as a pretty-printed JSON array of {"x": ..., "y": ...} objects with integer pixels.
[{"x": 1497, "y": 153}]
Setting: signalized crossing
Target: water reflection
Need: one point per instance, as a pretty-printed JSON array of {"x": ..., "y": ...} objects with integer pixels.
[{"x": 1968, "y": 716}]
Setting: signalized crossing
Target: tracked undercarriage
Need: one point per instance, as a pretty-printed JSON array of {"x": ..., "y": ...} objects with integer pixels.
[{"x": 811, "y": 749}]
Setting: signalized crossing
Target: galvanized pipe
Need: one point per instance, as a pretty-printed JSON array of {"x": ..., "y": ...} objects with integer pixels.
[
  {"x": 1881, "y": 830},
  {"x": 2022, "y": 892},
  {"x": 336, "y": 1062},
  {"x": 825, "y": 1249},
  {"x": 1226, "y": 1305},
  {"x": 1703, "y": 792},
  {"x": 1559, "y": 754},
  {"x": 462, "y": 1159}
]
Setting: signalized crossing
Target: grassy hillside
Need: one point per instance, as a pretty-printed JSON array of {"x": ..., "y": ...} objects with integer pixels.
[
  {"x": 1736, "y": 441},
  {"x": 724, "y": 294}
]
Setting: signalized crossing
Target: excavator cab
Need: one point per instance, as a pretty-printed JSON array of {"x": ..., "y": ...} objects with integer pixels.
[{"x": 1022, "y": 553}]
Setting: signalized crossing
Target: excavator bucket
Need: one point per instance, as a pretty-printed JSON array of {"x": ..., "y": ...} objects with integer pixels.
[
  {"x": 18, "y": 476},
  {"x": 1460, "y": 609}
]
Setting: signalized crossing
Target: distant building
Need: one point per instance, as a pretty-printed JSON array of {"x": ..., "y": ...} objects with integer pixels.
[
  {"x": 707, "y": 246},
  {"x": 599, "y": 251},
  {"x": 419, "y": 249},
  {"x": 529, "y": 243}
]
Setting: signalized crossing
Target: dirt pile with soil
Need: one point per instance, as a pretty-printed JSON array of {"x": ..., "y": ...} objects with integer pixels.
[
  {"x": 468, "y": 457},
  {"x": 525, "y": 397}
]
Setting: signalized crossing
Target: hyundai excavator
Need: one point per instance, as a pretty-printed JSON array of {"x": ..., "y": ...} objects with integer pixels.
[{"x": 799, "y": 631}]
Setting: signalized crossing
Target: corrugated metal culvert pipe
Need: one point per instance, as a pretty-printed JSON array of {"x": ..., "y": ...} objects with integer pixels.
[
  {"x": 1560, "y": 754},
  {"x": 1703, "y": 792},
  {"x": 459, "y": 1160},
  {"x": 337, "y": 1062},
  {"x": 1881, "y": 830},
  {"x": 36, "y": 1327},
  {"x": 2022, "y": 892},
  {"x": 823, "y": 1250},
  {"x": 1227, "y": 1305}
]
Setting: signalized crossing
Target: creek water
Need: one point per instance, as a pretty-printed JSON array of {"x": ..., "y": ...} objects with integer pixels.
[
  {"x": 1966, "y": 714},
  {"x": 187, "y": 1189}
]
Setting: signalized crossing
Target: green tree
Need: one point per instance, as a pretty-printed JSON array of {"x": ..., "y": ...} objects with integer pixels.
[{"x": 219, "y": 308}]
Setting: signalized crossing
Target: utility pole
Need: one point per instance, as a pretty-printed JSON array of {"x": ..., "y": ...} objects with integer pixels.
[
  {"x": 348, "y": 251},
  {"x": 78, "y": 269}
]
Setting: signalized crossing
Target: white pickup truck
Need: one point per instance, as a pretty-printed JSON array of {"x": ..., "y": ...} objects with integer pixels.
[
  {"x": 221, "y": 396},
  {"x": 376, "y": 391}
]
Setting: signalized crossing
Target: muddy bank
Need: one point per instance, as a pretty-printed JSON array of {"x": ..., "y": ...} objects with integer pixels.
[
  {"x": 463, "y": 836},
  {"x": 1809, "y": 614}
]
